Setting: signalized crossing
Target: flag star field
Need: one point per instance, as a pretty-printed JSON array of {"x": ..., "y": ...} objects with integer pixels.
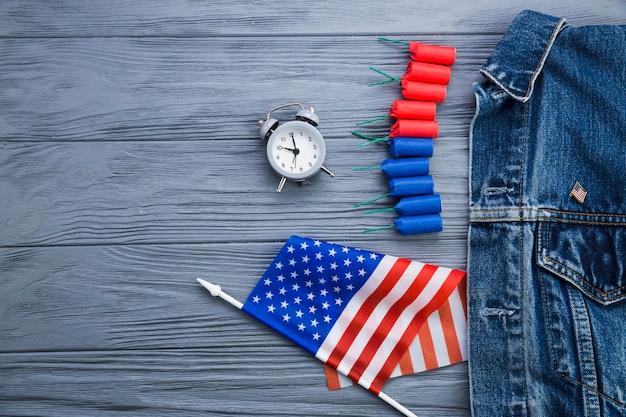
[{"x": 307, "y": 286}]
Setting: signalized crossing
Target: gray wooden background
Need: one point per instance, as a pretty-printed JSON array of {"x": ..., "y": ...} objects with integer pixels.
[{"x": 130, "y": 164}]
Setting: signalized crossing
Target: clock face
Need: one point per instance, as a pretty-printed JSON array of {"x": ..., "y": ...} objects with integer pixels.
[{"x": 296, "y": 150}]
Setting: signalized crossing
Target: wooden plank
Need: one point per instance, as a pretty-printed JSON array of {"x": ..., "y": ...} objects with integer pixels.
[
  {"x": 215, "y": 381},
  {"x": 209, "y": 18},
  {"x": 171, "y": 192}
]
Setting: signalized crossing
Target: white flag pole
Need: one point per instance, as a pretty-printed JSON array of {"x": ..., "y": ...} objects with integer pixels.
[
  {"x": 395, "y": 404},
  {"x": 216, "y": 291}
]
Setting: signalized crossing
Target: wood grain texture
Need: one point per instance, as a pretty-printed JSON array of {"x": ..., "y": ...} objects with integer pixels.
[
  {"x": 130, "y": 164},
  {"x": 301, "y": 17}
]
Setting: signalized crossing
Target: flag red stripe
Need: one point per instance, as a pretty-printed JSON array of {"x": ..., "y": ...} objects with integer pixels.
[
  {"x": 428, "y": 347},
  {"x": 372, "y": 346},
  {"x": 449, "y": 333},
  {"x": 451, "y": 282},
  {"x": 365, "y": 310},
  {"x": 406, "y": 364},
  {"x": 332, "y": 377}
]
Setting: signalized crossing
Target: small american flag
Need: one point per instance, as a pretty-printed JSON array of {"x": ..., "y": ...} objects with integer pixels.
[
  {"x": 578, "y": 192},
  {"x": 357, "y": 311}
]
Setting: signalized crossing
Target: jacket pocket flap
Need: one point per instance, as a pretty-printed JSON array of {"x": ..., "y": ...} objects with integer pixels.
[{"x": 590, "y": 256}]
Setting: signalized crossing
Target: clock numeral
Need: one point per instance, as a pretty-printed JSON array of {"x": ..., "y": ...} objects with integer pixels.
[
  {"x": 277, "y": 156},
  {"x": 279, "y": 148},
  {"x": 314, "y": 146},
  {"x": 310, "y": 164},
  {"x": 315, "y": 156},
  {"x": 283, "y": 139}
]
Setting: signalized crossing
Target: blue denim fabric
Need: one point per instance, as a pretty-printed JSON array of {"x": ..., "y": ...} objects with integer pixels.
[{"x": 546, "y": 273}]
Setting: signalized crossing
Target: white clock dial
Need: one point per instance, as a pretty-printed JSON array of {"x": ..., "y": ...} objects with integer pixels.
[{"x": 296, "y": 150}]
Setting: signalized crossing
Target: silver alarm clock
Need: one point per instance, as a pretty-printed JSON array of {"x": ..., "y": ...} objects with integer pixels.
[{"x": 296, "y": 150}]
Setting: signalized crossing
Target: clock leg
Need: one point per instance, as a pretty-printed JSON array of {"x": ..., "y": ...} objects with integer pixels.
[
  {"x": 326, "y": 170},
  {"x": 281, "y": 184}
]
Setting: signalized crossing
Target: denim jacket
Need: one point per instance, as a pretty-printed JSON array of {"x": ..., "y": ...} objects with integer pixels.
[{"x": 547, "y": 239}]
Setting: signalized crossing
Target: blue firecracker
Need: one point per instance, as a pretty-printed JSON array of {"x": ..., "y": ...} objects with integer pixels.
[
  {"x": 413, "y": 225},
  {"x": 409, "y": 186},
  {"x": 405, "y": 167},
  {"x": 402, "y": 147}
]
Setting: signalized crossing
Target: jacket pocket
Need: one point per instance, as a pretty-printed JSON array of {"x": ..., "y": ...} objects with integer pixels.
[
  {"x": 581, "y": 272},
  {"x": 591, "y": 257}
]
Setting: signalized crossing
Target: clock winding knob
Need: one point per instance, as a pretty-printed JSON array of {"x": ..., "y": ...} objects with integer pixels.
[
  {"x": 267, "y": 128},
  {"x": 308, "y": 116}
]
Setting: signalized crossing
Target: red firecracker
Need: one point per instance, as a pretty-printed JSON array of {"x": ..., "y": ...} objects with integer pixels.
[
  {"x": 429, "y": 73},
  {"x": 417, "y": 90},
  {"x": 434, "y": 54},
  {"x": 414, "y": 128},
  {"x": 409, "y": 109}
]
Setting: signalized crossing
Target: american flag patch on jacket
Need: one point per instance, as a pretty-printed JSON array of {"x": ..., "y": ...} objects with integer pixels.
[{"x": 578, "y": 192}]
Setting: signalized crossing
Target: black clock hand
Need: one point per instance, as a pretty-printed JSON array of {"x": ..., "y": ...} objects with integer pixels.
[
  {"x": 293, "y": 139},
  {"x": 295, "y": 149}
]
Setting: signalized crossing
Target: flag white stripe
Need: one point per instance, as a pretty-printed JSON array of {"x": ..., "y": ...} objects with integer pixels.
[
  {"x": 460, "y": 321},
  {"x": 417, "y": 355},
  {"x": 396, "y": 372},
  {"x": 344, "y": 381},
  {"x": 439, "y": 340}
]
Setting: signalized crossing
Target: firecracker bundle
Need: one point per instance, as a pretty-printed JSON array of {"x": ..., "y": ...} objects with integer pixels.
[{"x": 410, "y": 142}]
